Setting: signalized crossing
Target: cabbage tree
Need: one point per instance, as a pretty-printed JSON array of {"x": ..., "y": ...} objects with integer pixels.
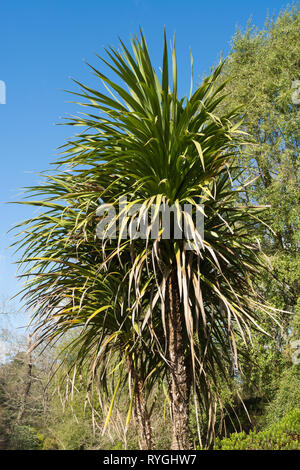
[{"x": 190, "y": 282}]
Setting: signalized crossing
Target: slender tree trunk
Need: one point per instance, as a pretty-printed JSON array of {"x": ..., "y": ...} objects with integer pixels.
[
  {"x": 140, "y": 410},
  {"x": 28, "y": 380},
  {"x": 179, "y": 374},
  {"x": 142, "y": 416}
]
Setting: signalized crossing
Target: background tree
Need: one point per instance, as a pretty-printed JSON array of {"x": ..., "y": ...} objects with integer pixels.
[{"x": 264, "y": 65}]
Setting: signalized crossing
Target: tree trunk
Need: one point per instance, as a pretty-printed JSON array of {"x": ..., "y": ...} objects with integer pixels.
[
  {"x": 142, "y": 416},
  {"x": 179, "y": 374},
  {"x": 140, "y": 409}
]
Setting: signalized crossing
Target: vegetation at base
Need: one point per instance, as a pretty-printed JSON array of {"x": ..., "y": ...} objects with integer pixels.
[
  {"x": 283, "y": 435},
  {"x": 25, "y": 438}
]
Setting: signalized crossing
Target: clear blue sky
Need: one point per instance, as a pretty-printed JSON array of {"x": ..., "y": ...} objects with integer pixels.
[{"x": 44, "y": 43}]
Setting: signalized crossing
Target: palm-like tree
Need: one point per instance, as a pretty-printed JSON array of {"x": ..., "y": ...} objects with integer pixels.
[{"x": 187, "y": 299}]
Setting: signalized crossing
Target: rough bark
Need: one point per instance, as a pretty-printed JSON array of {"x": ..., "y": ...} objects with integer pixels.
[
  {"x": 179, "y": 375},
  {"x": 140, "y": 410},
  {"x": 142, "y": 416}
]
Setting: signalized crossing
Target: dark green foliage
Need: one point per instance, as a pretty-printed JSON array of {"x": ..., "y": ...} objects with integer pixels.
[
  {"x": 25, "y": 438},
  {"x": 284, "y": 435}
]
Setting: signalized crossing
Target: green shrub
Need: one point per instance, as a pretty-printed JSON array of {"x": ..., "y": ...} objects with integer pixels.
[
  {"x": 286, "y": 398},
  {"x": 283, "y": 435},
  {"x": 24, "y": 438},
  {"x": 50, "y": 444}
]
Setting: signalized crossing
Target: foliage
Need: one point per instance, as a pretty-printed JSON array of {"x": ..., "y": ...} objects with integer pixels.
[
  {"x": 283, "y": 435},
  {"x": 264, "y": 63},
  {"x": 66, "y": 421},
  {"x": 25, "y": 438},
  {"x": 50, "y": 444},
  {"x": 13, "y": 382},
  {"x": 287, "y": 396}
]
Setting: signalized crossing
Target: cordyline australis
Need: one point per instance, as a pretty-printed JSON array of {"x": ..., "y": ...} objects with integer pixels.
[{"x": 147, "y": 310}]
